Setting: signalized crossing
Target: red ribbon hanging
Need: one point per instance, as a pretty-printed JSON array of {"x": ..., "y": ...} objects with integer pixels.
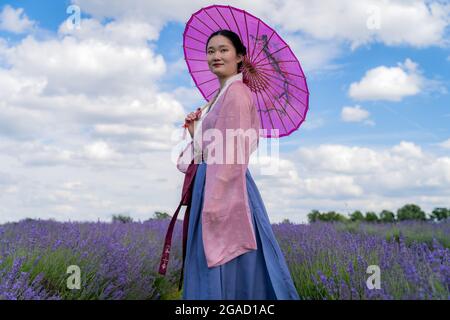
[{"x": 185, "y": 200}]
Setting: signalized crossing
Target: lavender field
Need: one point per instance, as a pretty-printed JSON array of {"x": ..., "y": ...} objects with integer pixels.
[{"x": 120, "y": 260}]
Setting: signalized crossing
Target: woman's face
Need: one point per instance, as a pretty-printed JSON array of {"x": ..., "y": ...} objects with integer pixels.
[{"x": 222, "y": 58}]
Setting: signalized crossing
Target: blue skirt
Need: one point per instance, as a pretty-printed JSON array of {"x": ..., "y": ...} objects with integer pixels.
[{"x": 260, "y": 274}]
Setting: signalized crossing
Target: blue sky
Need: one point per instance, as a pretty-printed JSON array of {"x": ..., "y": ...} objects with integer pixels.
[
  {"x": 361, "y": 147},
  {"x": 48, "y": 14},
  {"x": 424, "y": 116}
]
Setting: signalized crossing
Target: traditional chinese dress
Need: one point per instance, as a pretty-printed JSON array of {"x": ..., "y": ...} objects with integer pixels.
[{"x": 232, "y": 252}]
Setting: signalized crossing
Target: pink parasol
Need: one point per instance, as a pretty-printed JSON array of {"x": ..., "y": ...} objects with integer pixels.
[{"x": 270, "y": 69}]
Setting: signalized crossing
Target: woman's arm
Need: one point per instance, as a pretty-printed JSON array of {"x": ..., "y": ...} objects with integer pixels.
[
  {"x": 228, "y": 230},
  {"x": 239, "y": 140}
]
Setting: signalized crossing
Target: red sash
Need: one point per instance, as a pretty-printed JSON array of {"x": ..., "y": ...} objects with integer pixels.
[{"x": 185, "y": 200}]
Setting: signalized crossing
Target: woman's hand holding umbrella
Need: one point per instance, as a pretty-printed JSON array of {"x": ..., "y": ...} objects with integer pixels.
[
  {"x": 189, "y": 120},
  {"x": 194, "y": 116}
]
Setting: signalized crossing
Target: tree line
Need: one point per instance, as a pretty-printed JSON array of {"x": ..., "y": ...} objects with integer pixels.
[{"x": 407, "y": 212}]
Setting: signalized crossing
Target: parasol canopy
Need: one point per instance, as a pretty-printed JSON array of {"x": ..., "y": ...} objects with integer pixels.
[{"x": 270, "y": 68}]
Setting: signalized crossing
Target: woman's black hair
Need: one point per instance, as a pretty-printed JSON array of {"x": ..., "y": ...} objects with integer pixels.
[{"x": 235, "y": 40}]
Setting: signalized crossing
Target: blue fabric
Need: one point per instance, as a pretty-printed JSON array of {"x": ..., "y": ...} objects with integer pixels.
[{"x": 260, "y": 274}]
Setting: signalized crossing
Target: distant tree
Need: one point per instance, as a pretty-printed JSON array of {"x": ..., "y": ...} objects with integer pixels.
[
  {"x": 387, "y": 216},
  {"x": 161, "y": 215},
  {"x": 332, "y": 216},
  {"x": 121, "y": 218},
  {"x": 440, "y": 214},
  {"x": 286, "y": 220},
  {"x": 371, "y": 216},
  {"x": 356, "y": 216},
  {"x": 342, "y": 218},
  {"x": 313, "y": 216},
  {"x": 410, "y": 212}
]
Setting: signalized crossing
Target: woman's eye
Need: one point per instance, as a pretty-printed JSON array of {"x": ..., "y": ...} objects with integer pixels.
[{"x": 223, "y": 50}]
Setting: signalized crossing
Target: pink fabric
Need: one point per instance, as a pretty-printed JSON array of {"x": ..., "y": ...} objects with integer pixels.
[{"x": 227, "y": 227}]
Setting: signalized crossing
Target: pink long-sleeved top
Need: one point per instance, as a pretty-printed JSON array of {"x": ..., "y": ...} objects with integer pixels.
[{"x": 227, "y": 227}]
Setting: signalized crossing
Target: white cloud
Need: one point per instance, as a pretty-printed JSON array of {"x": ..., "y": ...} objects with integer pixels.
[
  {"x": 38, "y": 154},
  {"x": 13, "y": 84},
  {"x": 392, "y": 22},
  {"x": 332, "y": 186},
  {"x": 90, "y": 78},
  {"x": 92, "y": 107},
  {"x": 142, "y": 10},
  {"x": 314, "y": 55},
  {"x": 388, "y": 83},
  {"x": 356, "y": 114},
  {"x": 86, "y": 67},
  {"x": 92, "y": 114},
  {"x": 92, "y": 190},
  {"x": 15, "y": 20},
  {"x": 401, "y": 169},
  {"x": 408, "y": 149},
  {"x": 340, "y": 159},
  {"x": 190, "y": 96},
  {"x": 347, "y": 178},
  {"x": 445, "y": 144},
  {"x": 123, "y": 32},
  {"x": 344, "y": 20},
  {"x": 99, "y": 150},
  {"x": 71, "y": 185},
  {"x": 21, "y": 124},
  {"x": 313, "y": 122},
  {"x": 321, "y": 33}
]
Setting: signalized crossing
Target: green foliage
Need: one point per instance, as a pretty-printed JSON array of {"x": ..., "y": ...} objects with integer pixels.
[
  {"x": 313, "y": 216},
  {"x": 330, "y": 216},
  {"x": 387, "y": 216},
  {"x": 121, "y": 218},
  {"x": 410, "y": 212},
  {"x": 161, "y": 215},
  {"x": 371, "y": 217},
  {"x": 440, "y": 214},
  {"x": 407, "y": 212},
  {"x": 356, "y": 216}
]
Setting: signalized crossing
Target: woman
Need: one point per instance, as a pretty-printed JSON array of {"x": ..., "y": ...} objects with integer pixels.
[{"x": 231, "y": 251}]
